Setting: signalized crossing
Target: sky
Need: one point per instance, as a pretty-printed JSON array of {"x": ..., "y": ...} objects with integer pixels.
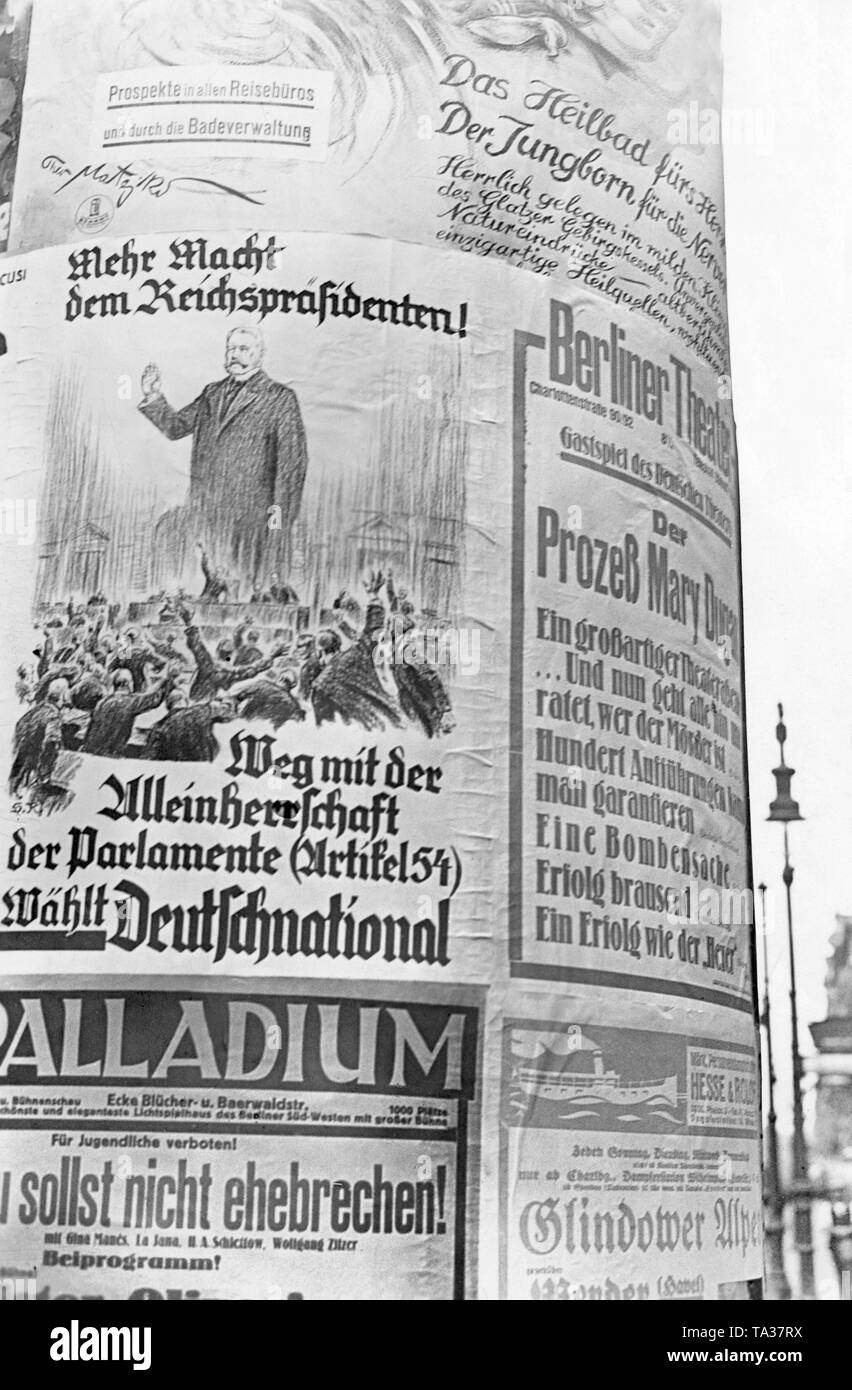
[{"x": 789, "y": 253}]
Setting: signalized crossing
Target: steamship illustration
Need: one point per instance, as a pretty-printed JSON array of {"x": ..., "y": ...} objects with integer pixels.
[{"x": 600, "y": 1084}]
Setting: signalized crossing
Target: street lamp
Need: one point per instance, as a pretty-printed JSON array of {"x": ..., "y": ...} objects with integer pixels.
[
  {"x": 785, "y": 810},
  {"x": 777, "y": 1284}
]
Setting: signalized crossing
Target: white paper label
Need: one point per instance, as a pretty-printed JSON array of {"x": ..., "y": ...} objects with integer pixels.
[{"x": 224, "y": 111}]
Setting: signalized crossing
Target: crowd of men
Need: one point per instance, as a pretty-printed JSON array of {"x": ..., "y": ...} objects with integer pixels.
[{"x": 96, "y": 678}]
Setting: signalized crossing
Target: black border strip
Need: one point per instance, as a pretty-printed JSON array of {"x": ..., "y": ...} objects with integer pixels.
[
  {"x": 27, "y": 940},
  {"x": 567, "y": 974},
  {"x": 516, "y": 644},
  {"x": 460, "y": 1232}
]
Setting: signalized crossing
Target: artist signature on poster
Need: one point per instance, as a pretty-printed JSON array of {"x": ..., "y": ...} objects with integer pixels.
[{"x": 125, "y": 180}]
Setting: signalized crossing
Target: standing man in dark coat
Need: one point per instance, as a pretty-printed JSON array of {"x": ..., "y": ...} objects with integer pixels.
[{"x": 249, "y": 455}]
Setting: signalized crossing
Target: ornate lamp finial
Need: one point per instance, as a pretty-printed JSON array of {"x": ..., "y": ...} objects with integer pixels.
[{"x": 783, "y": 808}]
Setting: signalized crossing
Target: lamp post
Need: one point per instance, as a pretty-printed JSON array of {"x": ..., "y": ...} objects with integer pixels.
[
  {"x": 785, "y": 810},
  {"x": 840, "y": 1245},
  {"x": 777, "y": 1284}
]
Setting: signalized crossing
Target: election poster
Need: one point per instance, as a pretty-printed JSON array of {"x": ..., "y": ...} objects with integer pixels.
[{"x": 254, "y": 724}]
